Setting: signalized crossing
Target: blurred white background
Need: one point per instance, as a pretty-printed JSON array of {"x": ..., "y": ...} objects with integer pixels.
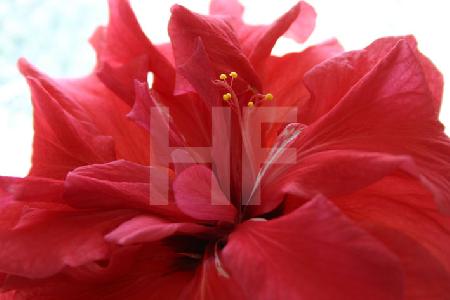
[{"x": 53, "y": 35}]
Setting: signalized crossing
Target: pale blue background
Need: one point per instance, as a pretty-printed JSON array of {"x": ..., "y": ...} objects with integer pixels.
[{"x": 53, "y": 36}]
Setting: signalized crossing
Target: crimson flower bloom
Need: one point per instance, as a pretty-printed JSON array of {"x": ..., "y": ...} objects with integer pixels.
[{"x": 352, "y": 201}]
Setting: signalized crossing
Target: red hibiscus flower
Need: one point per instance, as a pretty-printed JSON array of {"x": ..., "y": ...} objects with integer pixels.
[{"x": 237, "y": 175}]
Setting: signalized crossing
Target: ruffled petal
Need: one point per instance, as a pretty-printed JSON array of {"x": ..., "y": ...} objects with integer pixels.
[
  {"x": 11, "y": 295},
  {"x": 144, "y": 229},
  {"x": 283, "y": 76},
  {"x": 119, "y": 184},
  {"x": 313, "y": 253},
  {"x": 63, "y": 142},
  {"x": 303, "y": 26},
  {"x": 401, "y": 213},
  {"x": 389, "y": 110},
  {"x": 220, "y": 43},
  {"x": 44, "y": 241},
  {"x": 257, "y": 41},
  {"x": 142, "y": 105},
  {"x": 331, "y": 173},
  {"x": 101, "y": 105},
  {"x": 125, "y": 54},
  {"x": 146, "y": 100},
  {"x": 89, "y": 105},
  {"x": 198, "y": 70},
  {"x": 391, "y": 116},
  {"x": 174, "y": 112},
  {"x": 120, "y": 79},
  {"x": 198, "y": 194},
  {"x": 32, "y": 189},
  {"x": 132, "y": 273},
  {"x": 341, "y": 73}
]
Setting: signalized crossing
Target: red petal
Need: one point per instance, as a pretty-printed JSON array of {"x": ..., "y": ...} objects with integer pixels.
[
  {"x": 390, "y": 110},
  {"x": 43, "y": 242},
  {"x": 142, "y": 105},
  {"x": 400, "y": 212},
  {"x": 143, "y": 229},
  {"x": 121, "y": 79},
  {"x": 283, "y": 76},
  {"x": 183, "y": 109},
  {"x": 119, "y": 184},
  {"x": 10, "y": 212},
  {"x": 313, "y": 253},
  {"x": 12, "y": 295},
  {"x": 197, "y": 69},
  {"x": 92, "y": 105},
  {"x": 344, "y": 71},
  {"x": 259, "y": 41},
  {"x": 331, "y": 173},
  {"x": 33, "y": 189},
  {"x": 198, "y": 194},
  {"x": 62, "y": 142},
  {"x": 120, "y": 262},
  {"x": 110, "y": 115},
  {"x": 141, "y": 114},
  {"x": 122, "y": 45},
  {"x": 222, "y": 47},
  {"x": 303, "y": 26},
  {"x": 147, "y": 273},
  {"x": 425, "y": 276}
]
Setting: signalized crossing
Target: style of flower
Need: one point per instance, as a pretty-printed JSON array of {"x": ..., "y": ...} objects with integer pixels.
[{"x": 362, "y": 212}]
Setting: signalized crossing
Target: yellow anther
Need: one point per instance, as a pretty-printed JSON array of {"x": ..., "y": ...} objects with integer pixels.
[
  {"x": 223, "y": 76},
  {"x": 233, "y": 74},
  {"x": 226, "y": 96},
  {"x": 250, "y": 104},
  {"x": 268, "y": 97}
]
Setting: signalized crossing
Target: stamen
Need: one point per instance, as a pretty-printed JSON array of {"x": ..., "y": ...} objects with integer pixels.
[
  {"x": 226, "y": 81},
  {"x": 226, "y": 97}
]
